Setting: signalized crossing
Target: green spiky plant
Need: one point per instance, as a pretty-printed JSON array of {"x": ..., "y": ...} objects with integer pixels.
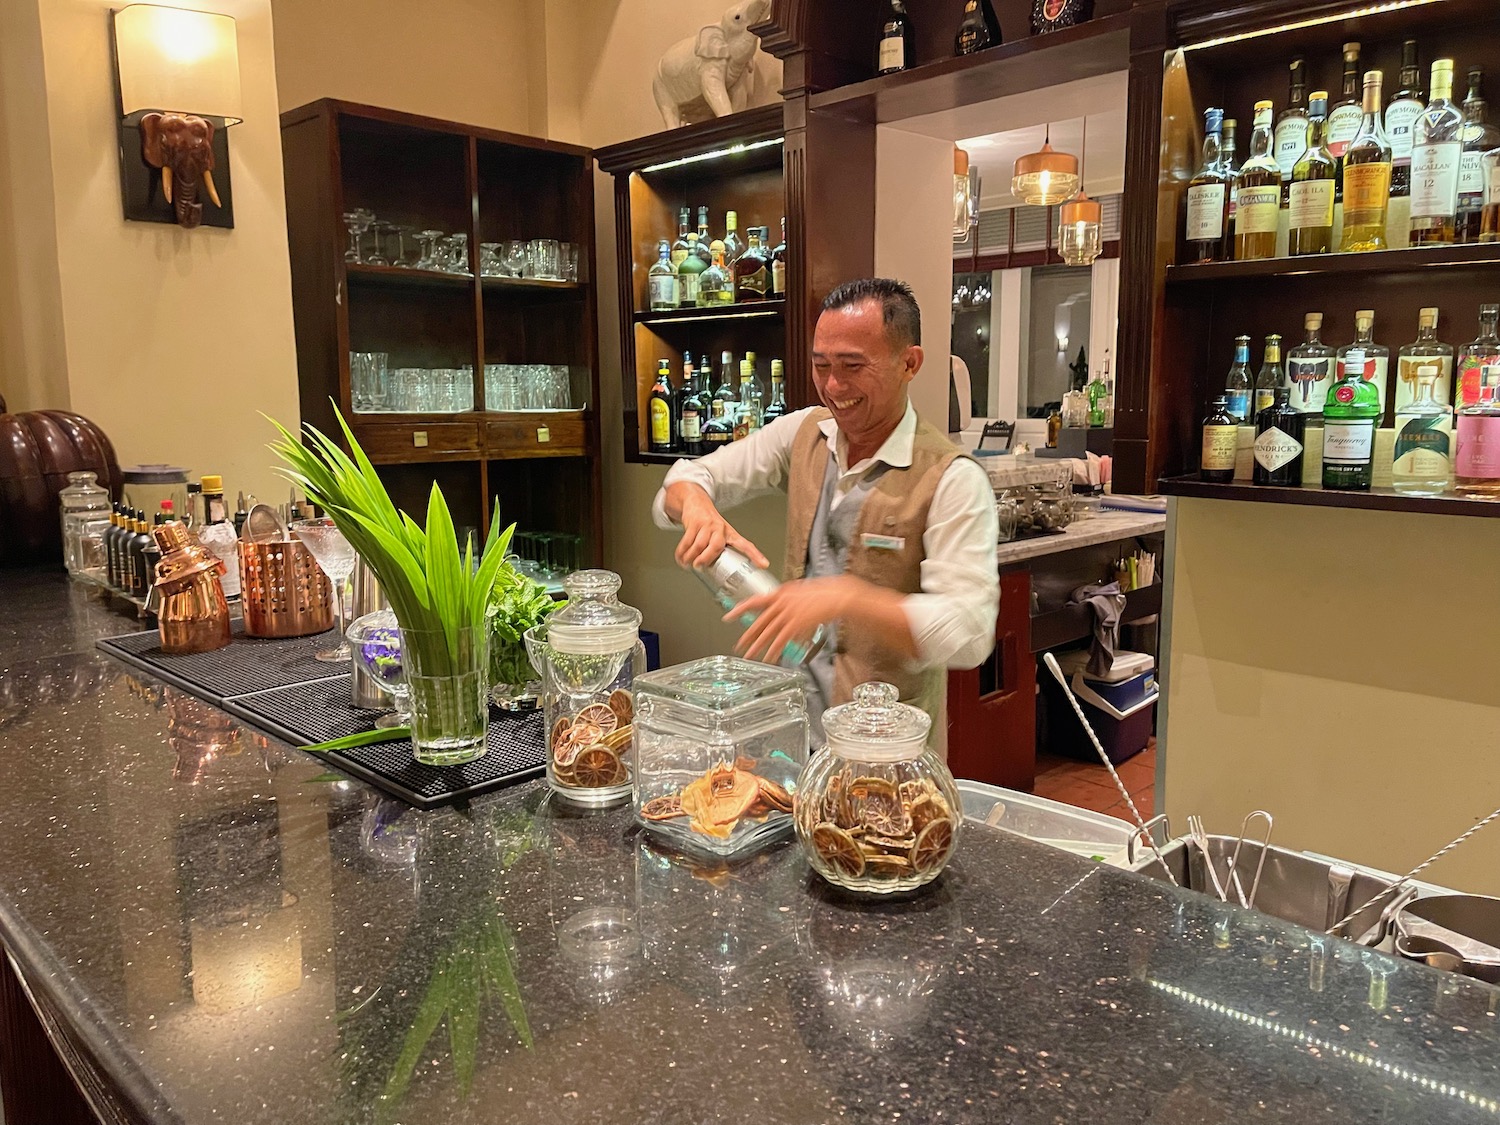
[{"x": 439, "y": 596}]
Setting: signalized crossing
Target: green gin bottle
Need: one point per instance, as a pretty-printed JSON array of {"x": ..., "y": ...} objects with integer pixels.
[{"x": 1349, "y": 419}]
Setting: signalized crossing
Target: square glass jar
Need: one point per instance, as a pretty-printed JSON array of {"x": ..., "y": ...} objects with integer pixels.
[{"x": 719, "y": 744}]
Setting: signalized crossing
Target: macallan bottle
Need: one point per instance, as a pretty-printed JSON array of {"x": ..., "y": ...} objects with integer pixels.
[
  {"x": 1310, "y": 210},
  {"x": 1280, "y": 434},
  {"x": 1437, "y": 152},
  {"x": 1367, "y": 177},
  {"x": 1257, "y": 194},
  {"x": 1208, "y": 196}
]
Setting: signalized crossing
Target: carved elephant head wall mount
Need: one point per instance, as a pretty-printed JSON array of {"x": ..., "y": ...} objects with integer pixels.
[{"x": 181, "y": 145}]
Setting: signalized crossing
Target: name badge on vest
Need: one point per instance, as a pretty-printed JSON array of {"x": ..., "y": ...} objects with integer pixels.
[{"x": 883, "y": 542}]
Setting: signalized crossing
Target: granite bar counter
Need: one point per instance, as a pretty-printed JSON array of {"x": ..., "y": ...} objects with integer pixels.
[{"x": 217, "y": 929}]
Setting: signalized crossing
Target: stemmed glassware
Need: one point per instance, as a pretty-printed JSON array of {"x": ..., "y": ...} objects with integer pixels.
[
  {"x": 336, "y": 557},
  {"x": 375, "y": 640},
  {"x": 357, "y": 221},
  {"x": 428, "y": 260}
]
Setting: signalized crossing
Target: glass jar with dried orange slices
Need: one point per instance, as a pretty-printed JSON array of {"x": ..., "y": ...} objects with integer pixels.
[
  {"x": 589, "y": 653},
  {"x": 719, "y": 745},
  {"x": 877, "y": 811}
]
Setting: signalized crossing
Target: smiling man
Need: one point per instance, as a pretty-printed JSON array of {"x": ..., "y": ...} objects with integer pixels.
[{"x": 891, "y": 529}]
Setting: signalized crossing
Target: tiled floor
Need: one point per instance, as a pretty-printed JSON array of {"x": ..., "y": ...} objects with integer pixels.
[{"x": 1088, "y": 785}]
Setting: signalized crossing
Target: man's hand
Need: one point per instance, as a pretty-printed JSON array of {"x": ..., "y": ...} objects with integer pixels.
[
  {"x": 705, "y": 533},
  {"x": 792, "y": 614}
]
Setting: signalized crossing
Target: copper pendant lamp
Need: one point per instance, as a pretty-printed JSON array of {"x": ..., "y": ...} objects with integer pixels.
[
  {"x": 1045, "y": 178},
  {"x": 1080, "y": 220}
]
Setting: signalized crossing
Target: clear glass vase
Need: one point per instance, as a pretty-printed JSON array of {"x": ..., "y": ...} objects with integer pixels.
[{"x": 448, "y": 674}]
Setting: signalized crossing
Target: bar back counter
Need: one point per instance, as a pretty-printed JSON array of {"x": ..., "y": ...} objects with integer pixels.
[{"x": 211, "y": 926}]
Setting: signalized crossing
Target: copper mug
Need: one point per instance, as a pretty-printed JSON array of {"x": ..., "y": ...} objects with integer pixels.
[{"x": 192, "y": 615}]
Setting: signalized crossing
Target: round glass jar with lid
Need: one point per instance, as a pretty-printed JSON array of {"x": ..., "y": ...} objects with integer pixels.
[
  {"x": 589, "y": 653},
  {"x": 85, "y": 515},
  {"x": 876, "y": 810},
  {"x": 719, "y": 744}
]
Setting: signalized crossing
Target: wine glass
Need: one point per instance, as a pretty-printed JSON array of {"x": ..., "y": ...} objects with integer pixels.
[
  {"x": 336, "y": 558},
  {"x": 428, "y": 259},
  {"x": 357, "y": 223},
  {"x": 375, "y": 640}
]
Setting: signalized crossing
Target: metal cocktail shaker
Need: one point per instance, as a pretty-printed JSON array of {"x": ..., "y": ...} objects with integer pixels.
[
  {"x": 368, "y": 597},
  {"x": 192, "y": 614}
]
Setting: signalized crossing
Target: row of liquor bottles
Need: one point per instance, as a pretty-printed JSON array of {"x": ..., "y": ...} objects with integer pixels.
[
  {"x": 700, "y": 270},
  {"x": 978, "y": 29},
  {"x": 1347, "y": 175},
  {"x": 1308, "y": 374},
  {"x": 130, "y": 550},
  {"x": 1428, "y": 454},
  {"x": 692, "y": 417}
]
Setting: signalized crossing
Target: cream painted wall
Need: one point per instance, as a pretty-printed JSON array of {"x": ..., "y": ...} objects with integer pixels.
[
  {"x": 1336, "y": 668},
  {"x": 176, "y": 340},
  {"x": 914, "y": 242},
  {"x": 462, "y": 60}
]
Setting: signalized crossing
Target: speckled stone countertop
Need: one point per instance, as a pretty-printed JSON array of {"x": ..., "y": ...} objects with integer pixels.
[{"x": 236, "y": 936}]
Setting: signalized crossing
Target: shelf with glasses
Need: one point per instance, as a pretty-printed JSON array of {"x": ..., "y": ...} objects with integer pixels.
[
  {"x": 404, "y": 275},
  {"x": 1376, "y": 499},
  {"x": 532, "y": 285},
  {"x": 756, "y": 310},
  {"x": 1346, "y": 265}
]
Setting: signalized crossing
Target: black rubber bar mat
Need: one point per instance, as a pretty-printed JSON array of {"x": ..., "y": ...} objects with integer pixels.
[
  {"x": 249, "y": 664},
  {"x": 316, "y": 712}
]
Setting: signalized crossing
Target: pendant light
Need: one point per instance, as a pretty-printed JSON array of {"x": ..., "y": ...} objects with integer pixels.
[
  {"x": 1080, "y": 220},
  {"x": 1045, "y": 178},
  {"x": 965, "y": 196}
]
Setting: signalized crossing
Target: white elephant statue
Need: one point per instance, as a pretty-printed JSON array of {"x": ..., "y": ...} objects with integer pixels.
[{"x": 716, "y": 66}]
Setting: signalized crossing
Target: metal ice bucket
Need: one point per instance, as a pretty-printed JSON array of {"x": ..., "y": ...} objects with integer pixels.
[{"x": 283, "y": 592}]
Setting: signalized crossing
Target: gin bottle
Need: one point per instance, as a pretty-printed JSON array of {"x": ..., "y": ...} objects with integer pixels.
[
  {"x": 1476, "y": 355},
  {"x": 1377, "y": 356},
  {"x": 1476, "y": 464},
  {"x": 1349, "y": 419},
  {"x": 1280, "y": 436},
  {"x": 1309, "y": 368},
  {"x": 1426, "y": 348},
  {"x": 1422, "y": 460}
]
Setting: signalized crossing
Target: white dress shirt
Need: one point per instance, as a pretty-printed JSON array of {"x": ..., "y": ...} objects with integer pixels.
[{"x": 952, "y": 619}]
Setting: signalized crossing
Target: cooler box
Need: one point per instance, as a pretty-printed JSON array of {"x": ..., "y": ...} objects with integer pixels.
[{"x": 1121, "y": 707}]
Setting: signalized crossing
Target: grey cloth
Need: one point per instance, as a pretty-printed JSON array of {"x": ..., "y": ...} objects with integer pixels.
[
  {"x": 1108, "y": 603},
  {"x": 828, "y": 544}
]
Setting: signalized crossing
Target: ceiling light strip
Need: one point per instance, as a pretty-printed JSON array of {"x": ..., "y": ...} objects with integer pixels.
[
  {"x": 716, "y": 154},
  {"x": 1369, "y": 10}
]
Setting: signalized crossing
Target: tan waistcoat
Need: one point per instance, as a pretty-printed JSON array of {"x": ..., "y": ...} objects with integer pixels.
[{"x": 894, "y": 512}]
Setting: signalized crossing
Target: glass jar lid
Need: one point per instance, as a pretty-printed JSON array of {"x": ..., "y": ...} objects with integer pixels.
[
  {"x": 720, "y": 683},
  {"x": 594, "y": 621},
  {"x": 876, "y": 726},
  {"x": 83, "y": 493},
  {"x": 154, "y": 474}
]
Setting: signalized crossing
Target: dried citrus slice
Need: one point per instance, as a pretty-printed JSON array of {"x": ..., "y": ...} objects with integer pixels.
[
  {"x": 774, "y": 795},
  {"x": 888, "y": 866},
  {"x": 559, "y": 732},
  {"x": 838, "y": 849},
  {"x": 621, "y": 703},
  {"x": 663, "y": 808},
  {"x": 901, "y": 846},
  {"x": 619, "y": 740},
  {"x": 933, "y": 844},
  {"x": 598, "y": 766},
  {"x": 925, "y": 809},
  {"x": 600, "y": 715}
]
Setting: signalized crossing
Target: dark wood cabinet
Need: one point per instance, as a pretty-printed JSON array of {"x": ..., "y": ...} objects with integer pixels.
[{"x": 542, "y": 466}]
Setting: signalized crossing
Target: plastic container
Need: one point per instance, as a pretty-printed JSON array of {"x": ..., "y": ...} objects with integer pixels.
[
  {"x": 589, "y": 653},
  {"x": 1084, "y": 833},
  {"x": 719, "y": 745},
  {"x": 876, "y": 810}
]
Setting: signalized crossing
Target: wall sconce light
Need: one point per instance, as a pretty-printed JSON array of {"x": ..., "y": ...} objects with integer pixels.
[
  {"x": 1062, "y": 345},
  {"x": 177, "y": 74}
]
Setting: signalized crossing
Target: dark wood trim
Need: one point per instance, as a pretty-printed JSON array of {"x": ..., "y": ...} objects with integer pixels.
[
  {"x": 1377, "y": 499},
  {"x": 1345, "y": 265},
  {"x": 821, "y": 43},
  {"x": 753, "y": 125},
  {"x": 340, "y": 108}
]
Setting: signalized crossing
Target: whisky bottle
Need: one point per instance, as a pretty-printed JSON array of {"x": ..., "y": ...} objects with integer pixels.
[
  {"x": 1422, "y": 457},
  {"x": 1349, "y": 419},
  {"x": 778, "y": 265},
  {"x": 1401, "y": 114},
  {"x": 1309, "y": 368},
  {"x": 1479, "y": 136},
  {"x": 1489, "y": 223},
  {"x": 705, "y": 240},
  {"x": 1291, "y": 124},
  {"x": 1270, "y": 376},
  {"x": 777, "y": 406},
  {"x": 659, "y": 409},
  {"x": 1280, "y": 437},
  {"x": 1221, "y": 439},
  {"x": 752, "y": 273},
  {"x": 896, "y": 41},
  {"x": 681, "y": 247},
  {"x": 688, "y": 411},
  {"x": 977, "y": 29},
  {"x": 724, "y": 394},
  {"x": 1344, "y": 115},
  {"x": 1257, "y": 194},
  {"x": 1377, "y": 356},
  {"x": 689, "y": 273},
  {"x": 1310, "y": 211},
  {"x": 1481, "y": 352},
  {"x": 1437, "y": 149},
  {"x": 661, "y": 280},
  {"x": 1476, "y": 459},
  {"x": 1367, "y": 176},
  {"x": 1425, "y": 349},
  {"x": 1237, "y": 382},
  {"x": 1229, "y": 161},
  {"x": 719, "y": 429},
  {"x": 733, "y": 247},
  {"x": 1207, "y": 196},
  {"x": 747, "y": 413},
  {"x": 715, "y": 289}
]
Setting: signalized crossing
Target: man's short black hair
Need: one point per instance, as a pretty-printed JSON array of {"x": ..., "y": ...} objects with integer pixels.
[{"x": 898, "y": 306}]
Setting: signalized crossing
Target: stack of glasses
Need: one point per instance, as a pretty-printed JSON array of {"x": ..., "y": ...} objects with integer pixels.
[
  {"x": 527, "y": 386},
  {"x": 543, "y": 259},
  {"x": 376, "y": 387},
  {"x": 547, "y": 556}
]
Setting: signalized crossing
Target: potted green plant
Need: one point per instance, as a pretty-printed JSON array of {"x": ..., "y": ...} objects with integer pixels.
[
  {"x": 440, "y": 596},
  {"x": 516, "y": 604}
]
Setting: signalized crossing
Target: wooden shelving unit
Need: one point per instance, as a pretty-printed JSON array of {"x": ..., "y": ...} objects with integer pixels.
[
  {"x": 542, "y": 466},
  {"x": 732, "y": 164}
]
